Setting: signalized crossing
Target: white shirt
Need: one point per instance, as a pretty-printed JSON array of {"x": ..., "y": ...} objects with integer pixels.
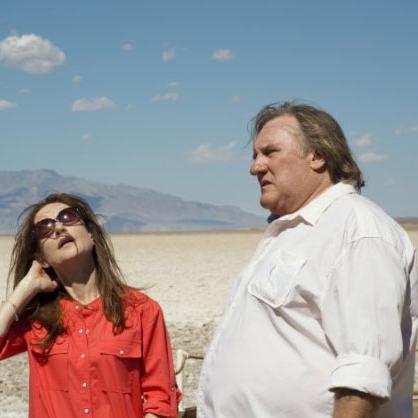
[{"x": 329, "y": 300}]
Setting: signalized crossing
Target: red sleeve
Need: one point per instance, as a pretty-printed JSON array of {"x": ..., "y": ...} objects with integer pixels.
[
  {"x": 159, "y": 388},
  {"x": 14, "y": 341}
]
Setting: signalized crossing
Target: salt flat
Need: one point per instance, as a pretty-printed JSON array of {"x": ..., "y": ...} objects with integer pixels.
[{"x": 187, "y": 273}]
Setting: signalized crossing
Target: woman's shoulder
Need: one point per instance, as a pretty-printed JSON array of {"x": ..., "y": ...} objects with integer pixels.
[
  {"x": 137, "y": 299},
  {"x": 140, "y": 308}
]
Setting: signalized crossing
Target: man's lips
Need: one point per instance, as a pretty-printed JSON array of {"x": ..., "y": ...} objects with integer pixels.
[
  {"x": 65, "y": 240},
  {"x": 264, "y": 183}
]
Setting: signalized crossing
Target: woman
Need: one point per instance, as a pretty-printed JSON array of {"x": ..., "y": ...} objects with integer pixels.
[{"x": 97, "y": 348}]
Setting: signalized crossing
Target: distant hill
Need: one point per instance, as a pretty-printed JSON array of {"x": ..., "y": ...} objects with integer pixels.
[
  {"x": 124, "y": 208},
  {"x": 410, "y": 221}
]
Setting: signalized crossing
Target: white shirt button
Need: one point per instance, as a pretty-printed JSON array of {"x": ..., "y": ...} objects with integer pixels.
[
  {"x": 121, "y": 352},
  {"x": 86, "y": 410},
  {"x": 80, "y": 330},
  {"x": 83, "y": 355},
  {"x": 84, "y": 385},
  {"x": 77, "y": 307}
]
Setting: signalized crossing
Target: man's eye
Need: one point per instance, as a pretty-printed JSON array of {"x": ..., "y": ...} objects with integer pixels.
[{"x": 270, "y": 151}]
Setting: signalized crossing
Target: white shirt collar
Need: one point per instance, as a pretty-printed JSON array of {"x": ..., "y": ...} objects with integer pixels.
[{"x": 314, "y": 209}]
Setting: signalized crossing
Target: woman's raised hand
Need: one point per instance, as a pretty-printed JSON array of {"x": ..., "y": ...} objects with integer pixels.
[
  {"x": 39, "y": 280},
  {"x": 36, "y": 280}
]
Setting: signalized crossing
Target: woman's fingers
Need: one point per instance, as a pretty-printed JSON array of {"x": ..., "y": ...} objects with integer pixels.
[{"x": 39, "y": 275}]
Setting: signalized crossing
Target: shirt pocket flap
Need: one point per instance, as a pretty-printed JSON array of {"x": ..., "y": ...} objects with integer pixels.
[
  {"x": 275, "y": 277},
  {"x": 56, "y": 348},
  {"x": 119, "y": 365},
  {"x": 122, "y": 348},
  {"x": 52, "y": 365}
]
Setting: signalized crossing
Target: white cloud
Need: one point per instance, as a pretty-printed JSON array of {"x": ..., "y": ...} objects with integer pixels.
[
  {"x": 207, "y": 153},
  {"x": 86, "y": 137},
  {"x": 92, "y": 105},
  {"x": 76, "y": 78},
  {"x": 222, "y": 55},
  {"x": 171, "y": 96},
  {"x": 236, "y": 99},
  {"x": 406, "y": 131},
  {"x": 6, "y": 104},
  {"x": 168, "y": 55},
  {"x": 173, "y": 84},
  {"x": 127, "y": 47},
  {"x": 363, "y": 141},
  {"x": 372, "y": 157},
  {"x": 30, "y": 53}
]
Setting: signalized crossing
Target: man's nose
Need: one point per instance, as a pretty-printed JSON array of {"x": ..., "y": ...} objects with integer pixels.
[{"x": 257, "y": 167}]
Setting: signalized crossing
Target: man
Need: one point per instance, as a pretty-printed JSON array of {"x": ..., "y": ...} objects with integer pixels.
[{"x": 322, "y": 322}]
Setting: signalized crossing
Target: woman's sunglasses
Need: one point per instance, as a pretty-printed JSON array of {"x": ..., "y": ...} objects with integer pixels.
[{"x": 46, "y": 227}]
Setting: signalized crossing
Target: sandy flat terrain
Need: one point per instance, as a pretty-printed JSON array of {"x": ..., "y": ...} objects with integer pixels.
[{"x": 188, "y": 273}]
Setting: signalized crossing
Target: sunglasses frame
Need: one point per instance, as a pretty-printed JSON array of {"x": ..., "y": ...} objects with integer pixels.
[{"x": 49, "y": 230}]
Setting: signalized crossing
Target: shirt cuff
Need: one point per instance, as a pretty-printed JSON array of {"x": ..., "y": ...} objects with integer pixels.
[
  {"x": 363, "y": 373},
  {"x": 166, "y": 407}
]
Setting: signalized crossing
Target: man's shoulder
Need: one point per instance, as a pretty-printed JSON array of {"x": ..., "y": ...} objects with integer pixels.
[{"x": 364, "y": 218}]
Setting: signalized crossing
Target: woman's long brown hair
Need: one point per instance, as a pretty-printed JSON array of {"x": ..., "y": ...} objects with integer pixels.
[{"x": 44, "y": 308}]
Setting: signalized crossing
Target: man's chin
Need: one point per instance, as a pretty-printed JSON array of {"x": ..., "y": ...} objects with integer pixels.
[
  {"x": 272, "y": 206},
  {"x": 267, "y": 203}
]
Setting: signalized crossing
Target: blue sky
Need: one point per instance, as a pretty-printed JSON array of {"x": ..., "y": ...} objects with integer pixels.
[{"x": 159, "y": 94}]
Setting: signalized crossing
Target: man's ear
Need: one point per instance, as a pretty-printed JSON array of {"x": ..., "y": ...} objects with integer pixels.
[
  {"x": 39, "y": 258},
  {"x": 317, "y": 162}
]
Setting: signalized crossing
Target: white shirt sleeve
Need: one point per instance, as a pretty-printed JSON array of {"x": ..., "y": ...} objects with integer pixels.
[{"x": 363, "y": 316}]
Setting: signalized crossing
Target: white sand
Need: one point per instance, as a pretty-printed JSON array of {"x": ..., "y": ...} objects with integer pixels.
[{"x": 189, "y": 273}]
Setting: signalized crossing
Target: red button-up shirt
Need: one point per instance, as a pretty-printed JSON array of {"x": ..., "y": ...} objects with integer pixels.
[{"x": 90, "y": 372}]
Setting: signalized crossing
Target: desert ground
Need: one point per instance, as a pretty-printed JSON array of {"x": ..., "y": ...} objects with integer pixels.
[{"x": 187, "y": 273}]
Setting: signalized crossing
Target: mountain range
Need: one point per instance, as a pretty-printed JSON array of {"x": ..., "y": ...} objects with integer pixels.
[{"x": 123, "y": 208}]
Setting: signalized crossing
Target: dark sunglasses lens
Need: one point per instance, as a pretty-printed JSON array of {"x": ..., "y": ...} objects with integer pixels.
[
  {"x": 44, "y": 228},
  {"x": 68, "y": 216}
]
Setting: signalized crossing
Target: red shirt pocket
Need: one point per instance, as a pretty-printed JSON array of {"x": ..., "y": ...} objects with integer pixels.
[
  {"x": 52, "y": 365},
  {"x": 119, "y": 365}
]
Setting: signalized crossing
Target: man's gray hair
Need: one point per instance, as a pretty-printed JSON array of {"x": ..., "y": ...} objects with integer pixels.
[{"x": 321, "y": 134}]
